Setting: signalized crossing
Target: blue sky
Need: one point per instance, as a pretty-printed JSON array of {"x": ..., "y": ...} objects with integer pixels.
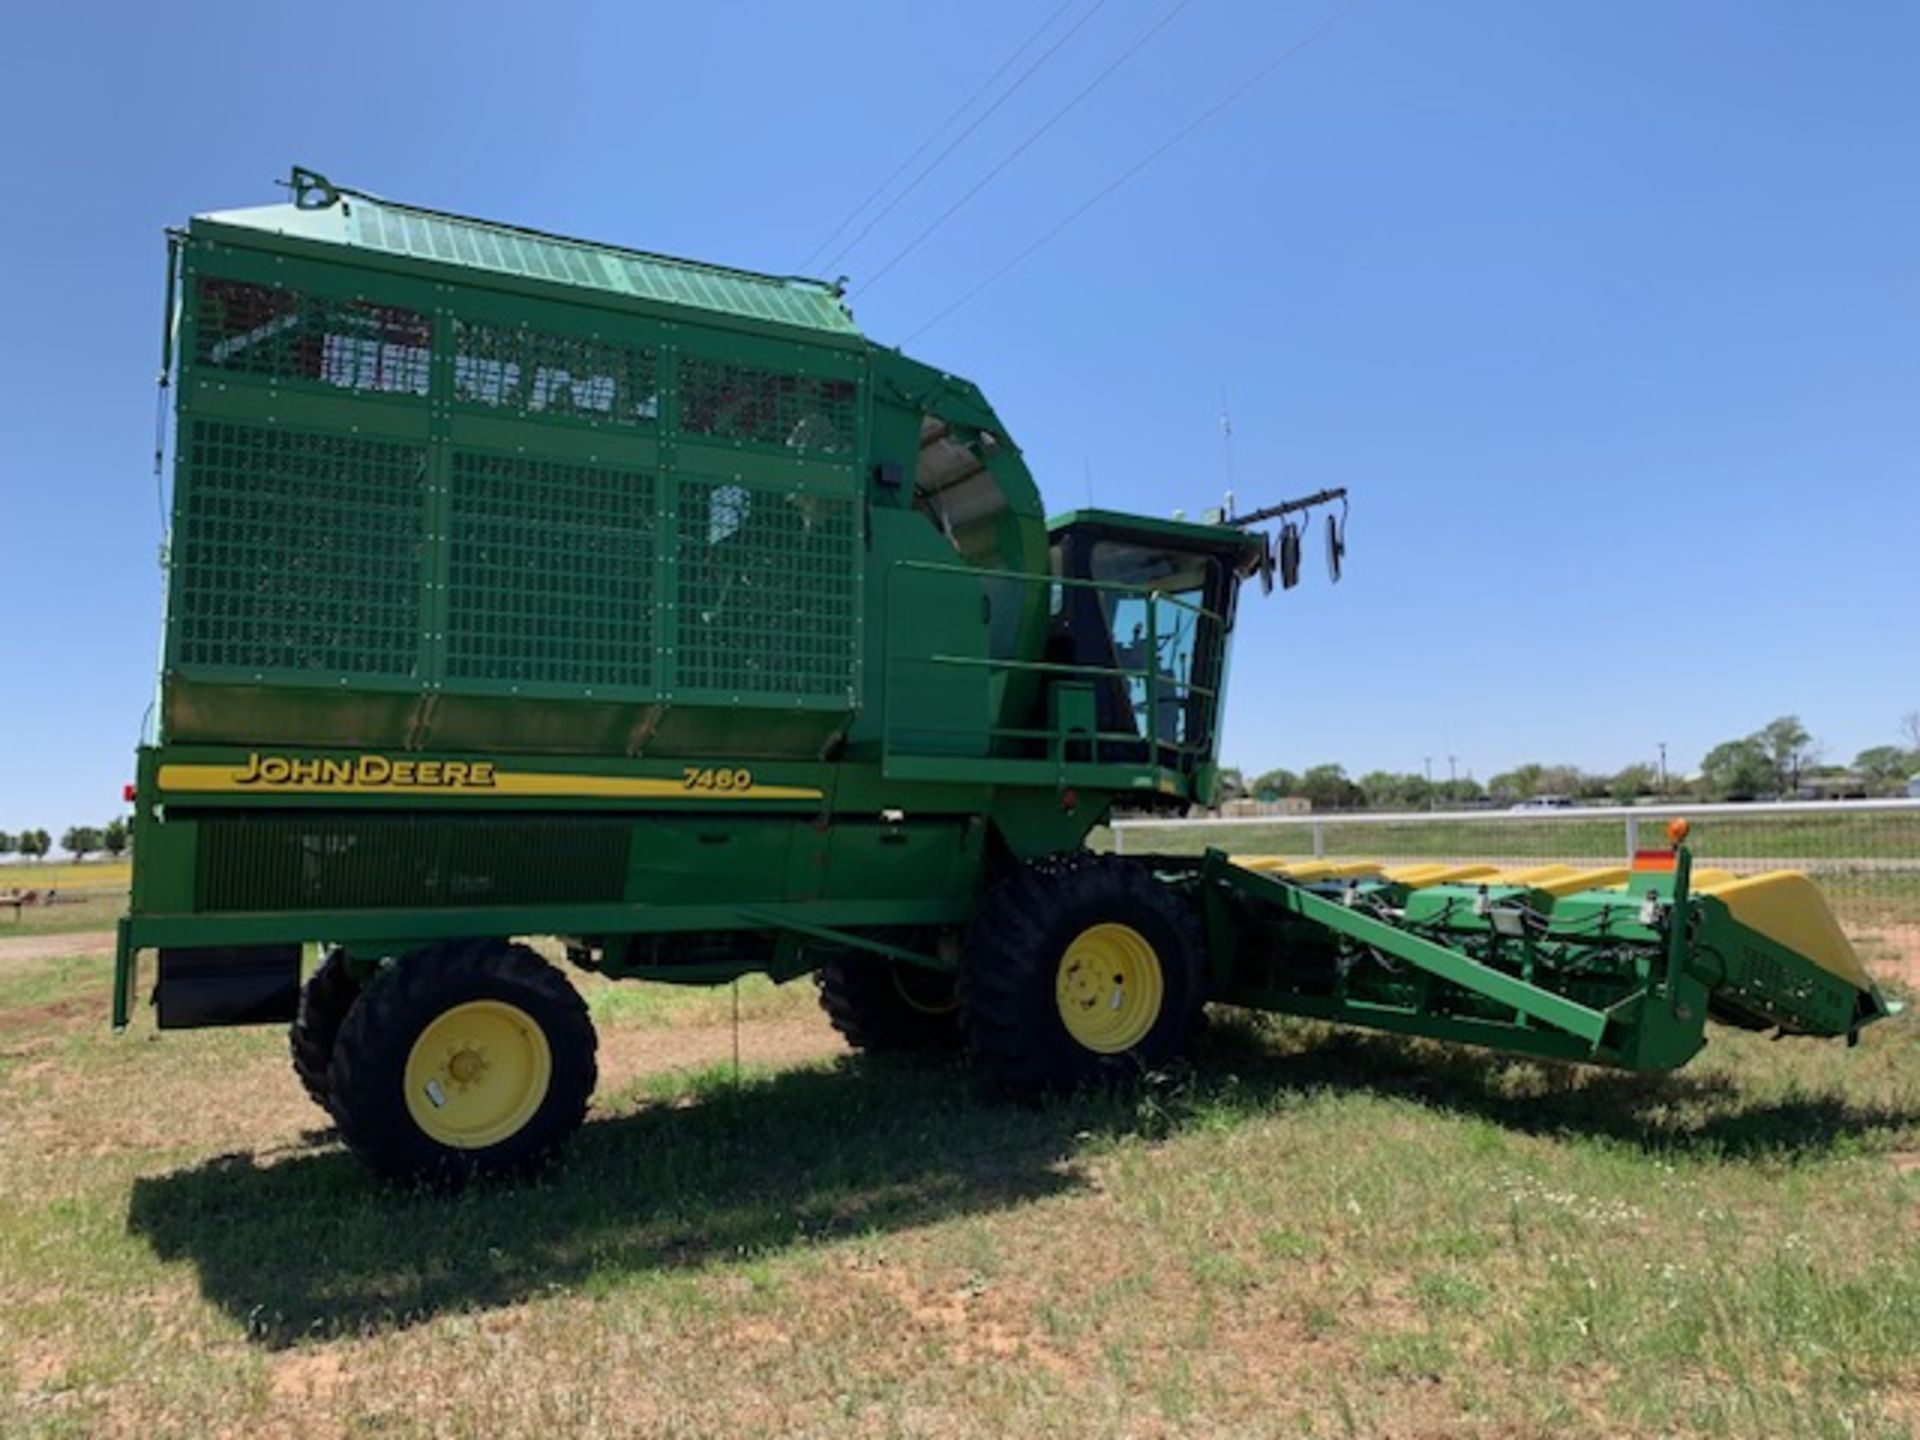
[{"x": 1608, "y": 313}]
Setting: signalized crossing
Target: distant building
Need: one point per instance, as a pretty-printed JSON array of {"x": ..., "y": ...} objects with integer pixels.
[
  {"x": 1834, "y": 785},
  {"x": 1285, "y": 805}
]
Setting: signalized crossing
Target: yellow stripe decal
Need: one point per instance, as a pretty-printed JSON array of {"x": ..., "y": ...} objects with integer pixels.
[{"x": 379, "y": 775}]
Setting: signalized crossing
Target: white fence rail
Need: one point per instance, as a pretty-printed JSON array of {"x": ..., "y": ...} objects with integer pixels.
[{"x": 1864, "y": 853}]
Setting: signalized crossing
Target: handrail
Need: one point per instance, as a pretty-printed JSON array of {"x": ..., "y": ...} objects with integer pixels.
[
  {"x": 1063, "y": 667},
  {"x": 1024, "y": 732},
  {"x": 1120, "y": 587}
]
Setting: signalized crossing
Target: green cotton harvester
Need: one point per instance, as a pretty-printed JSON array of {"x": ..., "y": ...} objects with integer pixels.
[{"x": 519, "y": 586}]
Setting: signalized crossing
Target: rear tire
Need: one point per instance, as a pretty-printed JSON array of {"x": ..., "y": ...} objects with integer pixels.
[
  {"x": 324, "y": 1002},
  {"x": 1079, "y": 972},
  {"x": 882, "y": 1005},
  {"x": 465, "y": 1060}
]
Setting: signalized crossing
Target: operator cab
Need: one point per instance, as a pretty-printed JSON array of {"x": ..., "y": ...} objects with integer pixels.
[{"x": 1141, "y": 612}]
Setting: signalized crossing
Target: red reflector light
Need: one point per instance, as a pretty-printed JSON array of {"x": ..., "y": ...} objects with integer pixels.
[
  {"x": 1653, "y": 859},
  {"x": 127, "y": 792}
]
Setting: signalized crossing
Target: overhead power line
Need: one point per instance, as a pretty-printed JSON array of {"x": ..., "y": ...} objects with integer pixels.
[
  {"x": 953, "y": 144},
  {"x": 1020, "y": 149},
  {"x": 1141, "y": 164},
  {"x": 934, "y": 134}
]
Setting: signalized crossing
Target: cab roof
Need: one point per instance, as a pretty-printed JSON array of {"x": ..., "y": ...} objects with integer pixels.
[{"x": 1243, "y": 547}]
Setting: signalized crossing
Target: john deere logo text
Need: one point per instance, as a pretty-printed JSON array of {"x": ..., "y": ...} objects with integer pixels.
[{"x": 273, "y": 771}]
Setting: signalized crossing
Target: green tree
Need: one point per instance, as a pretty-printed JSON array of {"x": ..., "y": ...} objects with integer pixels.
[
  {"x": 1738, "y": 770},
  {"x": 113, "y": 838},
  {"x": 1885, "y": 768},
  {"x": 1519, "y": 783},
  {"x": 34, "y": 843},
  {"x": 1790, "y": 749},
  {"x": 1275, "y": 785},
  {"x": 1631, "y": 783},
  {"x": 1563, "y": 780},
  {"x": 80, "y": 841},
  {"x": 1523, "y": 782},
  {"x": 7, "y": 843},
  {"x": 1328, "y": 787},
  {"x": 1393, "y": 790}
]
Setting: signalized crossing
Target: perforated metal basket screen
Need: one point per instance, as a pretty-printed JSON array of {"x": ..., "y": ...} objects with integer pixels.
[
  {"x": 551, "y": 575},
  {"x": 401, "y": 488},
  {"x": 298, "y": 551},
  {"x": 762, "y": 584}
]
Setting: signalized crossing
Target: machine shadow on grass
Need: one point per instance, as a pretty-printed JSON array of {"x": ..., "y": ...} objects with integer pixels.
[
  {"x": 1693, "y": 1113},
  {"x": 312, "y": 1246},
  {"x": 309, "y": 1246}
]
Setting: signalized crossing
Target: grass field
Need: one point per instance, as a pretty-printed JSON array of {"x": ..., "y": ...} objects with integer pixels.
[
  {"x": 87, "y": 897},
  {"x": 76, "y": 911},
  {"x": 1305, "y": 1233},
  {"x": 66, "y": 875}
]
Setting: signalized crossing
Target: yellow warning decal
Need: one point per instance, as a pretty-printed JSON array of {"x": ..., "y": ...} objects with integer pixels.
[{"x": 380, "y": 774}]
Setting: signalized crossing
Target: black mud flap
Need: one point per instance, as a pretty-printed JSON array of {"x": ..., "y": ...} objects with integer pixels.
[{"x": 228, "y": 985}]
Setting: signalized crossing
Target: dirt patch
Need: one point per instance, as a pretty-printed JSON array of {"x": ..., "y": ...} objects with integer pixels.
[
  {"x": 31, "y": 1016},
  {"x": 1893, "y": 952},
  {"x": 15, "y": 948},
  {"x": 304, "y": 1376},
  {"x": 971, "y": 1321},
  {"x": 629, "y": 1052}
]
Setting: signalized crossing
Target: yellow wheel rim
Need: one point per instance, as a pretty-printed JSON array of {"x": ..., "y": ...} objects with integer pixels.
[
  {"x": 1109, "y": 988},
  {"x": 477, "y": 1074}
]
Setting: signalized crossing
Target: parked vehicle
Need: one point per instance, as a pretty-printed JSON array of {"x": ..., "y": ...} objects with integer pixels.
[{"x": 526, "y": 587}]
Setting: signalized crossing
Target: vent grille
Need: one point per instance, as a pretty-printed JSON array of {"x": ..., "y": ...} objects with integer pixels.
[
  {"x": 324, "y": 862},
  {"x": 298, "y": 551},
  {"x": 551, "y": 573}
]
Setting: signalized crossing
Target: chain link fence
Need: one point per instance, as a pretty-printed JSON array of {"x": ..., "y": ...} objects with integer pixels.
[{"x": 1865, "y": 855}]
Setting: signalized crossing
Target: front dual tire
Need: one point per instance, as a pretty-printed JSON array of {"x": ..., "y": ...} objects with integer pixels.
[{"x": 1077, "y": 971}]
